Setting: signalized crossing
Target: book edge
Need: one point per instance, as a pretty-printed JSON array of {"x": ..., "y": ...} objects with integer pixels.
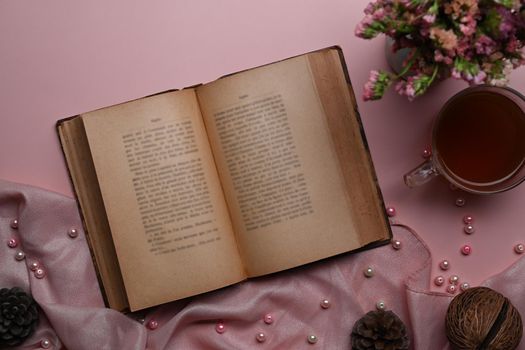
[{"x": 59, "y": 129}]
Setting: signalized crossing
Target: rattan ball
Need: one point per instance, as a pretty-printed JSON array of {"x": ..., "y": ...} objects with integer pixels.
[{"x": 481, "y": 318}]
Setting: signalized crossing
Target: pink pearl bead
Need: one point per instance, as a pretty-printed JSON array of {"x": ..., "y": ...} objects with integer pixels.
[
  {"x": 519, "y": 248},
  {"x": 14, "y": 224},
  {"x": 439, "y": 281},
  {"x": 391, "y": 211},
  {"x": 268, "y": 319},
  {"x": 427, "y": 153},
  {"x": 152, "y": 324},
  {"x": 467, "y": 219},
  {"x": 261, "y": 337},
  {"x": 40, "y": 273},
  {"x": 12, "y": 243},
  {"x": 469, "y": 229},
  {"x": 451, "y": 289},
  {"x": 220, "y": 328},
  {"x": 466, "y": 250}
]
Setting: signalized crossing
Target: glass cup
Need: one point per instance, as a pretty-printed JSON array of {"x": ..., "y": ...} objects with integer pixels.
[{"x": 478, "y": 142}]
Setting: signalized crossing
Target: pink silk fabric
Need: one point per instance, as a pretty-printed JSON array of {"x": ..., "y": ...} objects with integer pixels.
[{"x": 73, "y": 315}]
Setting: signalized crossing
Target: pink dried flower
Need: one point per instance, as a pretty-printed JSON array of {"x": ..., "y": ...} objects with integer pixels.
[
  {"x": 405, "y": 89},
  {"x": 485, "y": 45},
  {"x": 506, "y": 28},
  {"x": 369, "y": 27},
  {"x": 379, "y": 14},
  {"x": 479, "y": 78},
  {"x": 377, "y": 83},
  {"x": 465, "y": 47},
  {"x": 473, "y": 40},
  {"x": 370, "y": 8},
  {"x": 444, "y": 38},
  {"x": 520, "y": 59},
  {"x": 507, "y": 25},
  {"x": 456, "y": 74},
  {"x": 415, "y": 85},
  {"x": 499, "y": 73},
  {"x": 512, "y": 45},
  {"x": 439, "y": 57},
  {"x": 363, "y": 25},
  {"x": 429, "y": 18},
  {"x": 459, "y": 8},
  {"x": 468, "y": 26}
]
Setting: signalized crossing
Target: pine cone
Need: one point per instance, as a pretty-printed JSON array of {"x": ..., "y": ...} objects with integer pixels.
[
  {"x": 18, "y": 316},
  {"x": 380, "y": 330}
]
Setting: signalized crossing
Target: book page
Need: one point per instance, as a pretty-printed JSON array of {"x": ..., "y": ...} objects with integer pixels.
[
  {"x": 278, "y": 166},
  {"x": 164, "y": 203}
]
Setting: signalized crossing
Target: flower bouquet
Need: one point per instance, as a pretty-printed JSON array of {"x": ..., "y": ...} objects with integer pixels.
[{"x": 479, "y": 41}]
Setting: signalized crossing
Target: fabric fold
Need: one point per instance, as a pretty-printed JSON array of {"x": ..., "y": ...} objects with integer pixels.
[{"x": 73, "y": 315}]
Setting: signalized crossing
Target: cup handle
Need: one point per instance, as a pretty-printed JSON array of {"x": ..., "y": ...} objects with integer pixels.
[{"x": 421, "y": 174}]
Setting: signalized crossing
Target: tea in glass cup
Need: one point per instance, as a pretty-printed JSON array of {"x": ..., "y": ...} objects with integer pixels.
[{"x": 478, "y": 141}]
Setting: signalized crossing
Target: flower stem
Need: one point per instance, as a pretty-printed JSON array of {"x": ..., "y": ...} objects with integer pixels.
[
  {"x": 434, "y": 74},
  {"x": 408, "y": 66}
]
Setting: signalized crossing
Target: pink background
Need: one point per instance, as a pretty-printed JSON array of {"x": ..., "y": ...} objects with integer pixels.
[{"x": 61, "y": 58}]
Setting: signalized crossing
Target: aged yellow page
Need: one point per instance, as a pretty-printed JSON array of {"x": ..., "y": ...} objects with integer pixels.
[
  {"x": 280, "y": 172},
  {"x": 166, "y": 210}
]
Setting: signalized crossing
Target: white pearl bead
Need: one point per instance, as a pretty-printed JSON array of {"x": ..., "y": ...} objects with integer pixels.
[
  {"x": 369, "y": 272},
  {"x": 19, "y": 256},
  {"x": 453, "y": 279},
  {"x": 261, "y": 337},
  {"x": 380, "y": 305},
  {"x": 34, "y": 266},
  {"x": 460, "y": 202},
  {"x": 73, "y": 233},
  {"x": 464, "y": 286},
  {"x": 519, "y": 248},
  {"x": 396, "y": 244},
  {"x": 325, "y": 304},
  {"x": 469, "y": 229},
  {"x": 14, "y": 224},
  {"x": 312, "y": 339},
  {"x": 444, "y": 265},
  {"x": 45, "y": 344},
  {"x": 451, "y": 289}
]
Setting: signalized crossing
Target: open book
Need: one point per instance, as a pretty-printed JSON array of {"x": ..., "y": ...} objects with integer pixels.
[{"x": 189, "y": 191}]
